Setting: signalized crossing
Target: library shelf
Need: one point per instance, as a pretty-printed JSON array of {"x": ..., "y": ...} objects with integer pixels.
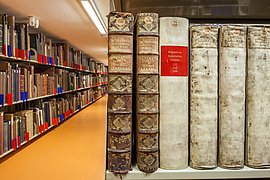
[
  {"x": 190, "y": 173},
  {"x": 50, "y": 127},
  {"x": 33, "y": 62},
  {"x": 48, "y": 96}
]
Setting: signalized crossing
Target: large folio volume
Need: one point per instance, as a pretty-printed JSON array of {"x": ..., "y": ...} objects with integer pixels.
[
  {"x": 258, "y": 98},
  {"x": 120, "y": 92},
  {"x": 232, "y": 76},
  {"x": 174, "y": 93},
  {"x": 203, "y": 96},
  {"x": 147, "y": 88}
]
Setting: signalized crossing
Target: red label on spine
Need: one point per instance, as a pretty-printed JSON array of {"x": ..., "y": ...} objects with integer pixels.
[
  {"x": 4, "y": 49},
  {"x": 17, "y": 53},
  {"x": 40, "y": 58},
  {"x": 14, "y": 147},
  {"x": 9, "y": 99},
  {"x": 39, "y": 129},
  {"x": 45, "y": 60},
  {"x": 174, "y": 61},
  {"x": 46, "y": 126},
  {"x": 55, "y": 121},
  {"x": 22, "y": 54},
  {"x": 26, "y": 53},
  {"x": 27, "y": 136},
  {"x": 19, "y": 141}
]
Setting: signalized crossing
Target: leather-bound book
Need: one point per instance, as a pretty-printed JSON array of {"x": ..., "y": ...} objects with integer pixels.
[
  {"x": 203, "y": 96},
  {"x": 258, "y": 97},
  {"x": 119, "y": 119},
  {"x": 174, "y": 93},
  {"x": 147, "y": 92},
  {"x": 232, "y": 77}
]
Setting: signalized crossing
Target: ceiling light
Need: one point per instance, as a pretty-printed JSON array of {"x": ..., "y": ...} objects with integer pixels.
[{"x": 91, "y": 9}]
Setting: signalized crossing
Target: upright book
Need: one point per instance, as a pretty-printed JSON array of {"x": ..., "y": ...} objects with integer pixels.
[
  {"x": 147, "y": 92},
  {"x": 1, "y": 132},
  {"x": 119, "y": 138},
  {"x": 203, "y": 96},
  {"x": 258, "y": 97},
  {"x": 232, "y": 77},
  {"x": 174, "y": 93}
]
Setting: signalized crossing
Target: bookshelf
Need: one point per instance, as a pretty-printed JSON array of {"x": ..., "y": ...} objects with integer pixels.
[
  {"x": 46, "y": 130},
  {"x": 43, "y": 82},
  {"x": 32, "y": 62},
  {"x": 240, "y": 13},
  {"x": 189, "y": 173}
]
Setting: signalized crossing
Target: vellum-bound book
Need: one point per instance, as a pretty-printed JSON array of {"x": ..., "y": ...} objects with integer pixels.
[
  {"x": 119, "y": 138},
  {"x": 203, "y": 96},
  {"x": 232, "y": 77},
  {"x": 258, "y": 98},
  {"x": 174, "y": 93},
  {"x": 147, "y": 89}
]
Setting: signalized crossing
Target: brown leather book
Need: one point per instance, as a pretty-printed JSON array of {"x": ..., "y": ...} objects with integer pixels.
[
  {"x": 119, "y": 138},
  {"x": 147, "y": 89}
]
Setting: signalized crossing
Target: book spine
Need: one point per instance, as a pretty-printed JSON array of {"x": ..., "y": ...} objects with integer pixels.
[
  {"x": 34, "y": 50},
  {"x": 232, "y": 72},
  {"x": 30, "y": 122},
  {"x": 1, "y": 36},
  {"x": 1, "y": 133},
  {"x": 203, "y": 96},
  {"x": 174, "y": 93},
  {"x": 5, "y": 34},
  {"x": 258, "y": 94},
  {"x": 147, "y": 92},
  {"x": 6, "y": 136},
  {"x": 119, "y": 105}
]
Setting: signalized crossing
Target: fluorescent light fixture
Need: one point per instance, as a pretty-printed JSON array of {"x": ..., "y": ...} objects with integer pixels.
[{"x": 91, "y": 9}]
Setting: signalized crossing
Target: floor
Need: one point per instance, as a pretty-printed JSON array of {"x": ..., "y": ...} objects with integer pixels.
[{"x": 73, "y": 151}]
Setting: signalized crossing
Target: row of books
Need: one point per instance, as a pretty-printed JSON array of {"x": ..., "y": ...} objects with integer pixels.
[
  {"x": 100, "y": 91},
  {"x": 21, "y": 126},
  {"x": 101, "y": 68},
  {"x": 20, "y": 83},
  {"x": 16, "y": 40},
  {"x": 102, "y": 80},
  {"x": 202, "y": 101}
]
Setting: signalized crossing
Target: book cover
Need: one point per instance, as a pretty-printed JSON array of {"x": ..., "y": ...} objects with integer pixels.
[
  {"x": 258, "y": 95},
  {"x": 203, "y": 96},
  {"x": 174, "y": 93},
  {"x": 147, "y": 92},
  {"x": 232, "y": 77},
  {"x": 119, "y": 138}
]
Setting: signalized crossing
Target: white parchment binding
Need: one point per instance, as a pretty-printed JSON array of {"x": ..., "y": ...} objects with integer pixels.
[
  {"x": 232, "y": 72},
  {"x": 258, "y": 98},
  {"x": 173, "y": 100},
  {"x": 203, "y": 96}
]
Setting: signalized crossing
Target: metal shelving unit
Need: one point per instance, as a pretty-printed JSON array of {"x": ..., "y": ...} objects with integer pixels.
[{"x": 51, "y": 127}]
